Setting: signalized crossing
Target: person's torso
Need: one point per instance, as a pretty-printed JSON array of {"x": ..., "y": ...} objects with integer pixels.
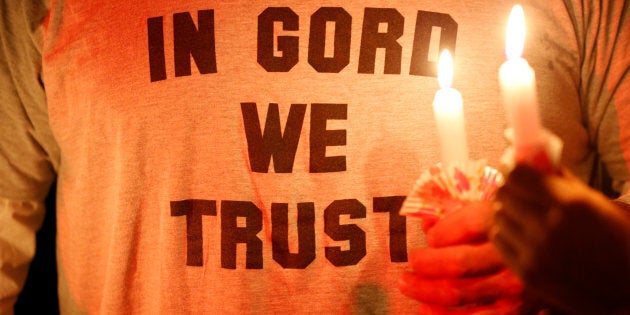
[{"x": 252, "y": 156}]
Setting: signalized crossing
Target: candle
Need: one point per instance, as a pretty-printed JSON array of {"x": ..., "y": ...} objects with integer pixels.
[
  {"x": 517, "y": 80},
  {"x": 448, "y": 110}
]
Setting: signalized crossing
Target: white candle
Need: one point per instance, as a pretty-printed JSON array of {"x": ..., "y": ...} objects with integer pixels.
[
  {"x": 449, "y": 116},
  {"x": 518, "y": 87}
]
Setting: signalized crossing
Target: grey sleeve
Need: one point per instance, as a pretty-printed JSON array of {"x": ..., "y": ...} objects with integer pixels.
[
  {"x": 604, "y": 40},
  {"x": 580, "y": 52},
  {"x": 28, "y": 153}
]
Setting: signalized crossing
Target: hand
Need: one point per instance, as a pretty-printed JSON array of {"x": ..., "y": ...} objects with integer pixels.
[
  {"x": 460, "y": 271},
  {"x": 567, "y": 242}
]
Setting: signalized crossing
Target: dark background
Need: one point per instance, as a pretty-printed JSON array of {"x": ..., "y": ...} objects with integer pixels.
[{"x": 39, "y": 295}]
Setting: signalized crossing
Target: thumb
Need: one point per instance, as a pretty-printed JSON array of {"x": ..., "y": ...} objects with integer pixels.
[
  {"x": 428, "y": 222},
  {"x": 468, "y": 224}
]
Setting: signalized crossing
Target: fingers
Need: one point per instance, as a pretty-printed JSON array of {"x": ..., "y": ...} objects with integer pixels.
[
  {"x": 518, "y": 209},
  {"x": 428, "y": 222},
  {"x": 516, "y": 236},
  {"x": 465, "y": 225},
  {"x": 526, "y": 188},
  {"x": 521, "y": 240},
  {"x": 526, "y": 181},
  {"x": 455, "y": 261},
  {"x": 502, "y": 306},
  {"x": 461, "y": 291},
  {"x": 524, "y": 213},
  {"x": 510, "y": 249},
  {"x": 540, "y": 191}
]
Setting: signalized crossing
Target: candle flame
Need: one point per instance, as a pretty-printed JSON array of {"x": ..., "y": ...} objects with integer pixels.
[
  {"x": 515, "y": 34},
  {"x": 445, "y": 69}
]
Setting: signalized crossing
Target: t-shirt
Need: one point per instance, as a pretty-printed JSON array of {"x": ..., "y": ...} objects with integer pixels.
[{"x": 251, "y": 157}]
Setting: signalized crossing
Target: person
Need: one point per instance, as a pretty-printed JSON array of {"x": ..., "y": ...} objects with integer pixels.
[
  {"x": 567, "y": 243},
  {"x": 248, "y": 157}
]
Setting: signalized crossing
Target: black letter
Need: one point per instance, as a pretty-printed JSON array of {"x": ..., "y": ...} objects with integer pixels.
[
  {"x": 317, "y": 40},
  {"x": 397, "y": 226},
  {"x": 280, "y": 235},
  {"x": 199, "y": 44},
  {"x": 371, "y": 39},
  {"x": 193, "y": 209},
  {"x": 262, "y": 145},
  {"x": 320, "y": 138},
  {"x": 231, "y": 234},
  {"x": 420, "y": 64},
  {"x": 351, "y": 232},
  {"x": 288, "y": 45},
  {"x": 157, "y": 61}
]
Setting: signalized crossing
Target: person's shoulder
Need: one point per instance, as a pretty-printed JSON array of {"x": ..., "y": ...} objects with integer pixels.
[{"x": 23, "y": 17}]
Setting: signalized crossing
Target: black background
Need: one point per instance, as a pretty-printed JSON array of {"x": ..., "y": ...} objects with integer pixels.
[{"x": 39, "y": 295}]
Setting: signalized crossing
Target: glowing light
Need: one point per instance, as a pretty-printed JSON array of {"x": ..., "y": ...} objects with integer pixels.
[
  {"x": 445, "y": 69},
  {"x": 515, "y": 33}
]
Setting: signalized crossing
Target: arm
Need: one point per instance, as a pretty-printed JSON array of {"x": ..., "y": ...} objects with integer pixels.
[
  {"x": 28, "y": 154},
  {"x": 568, "y": 242}
]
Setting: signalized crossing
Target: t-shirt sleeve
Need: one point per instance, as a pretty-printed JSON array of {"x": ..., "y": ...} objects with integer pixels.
[
  {"x": 28, "y": 153},
  {"x": 603, "y": 29}
]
